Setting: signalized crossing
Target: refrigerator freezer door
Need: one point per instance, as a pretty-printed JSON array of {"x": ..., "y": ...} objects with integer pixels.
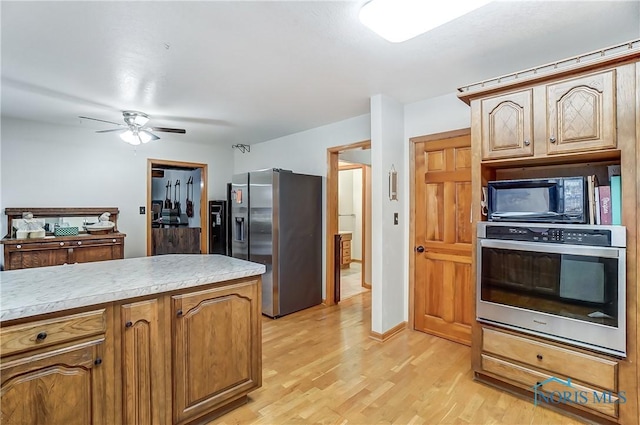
[
  {"x": 240, "y": 216},
  {"x": 261, "y": 236}
]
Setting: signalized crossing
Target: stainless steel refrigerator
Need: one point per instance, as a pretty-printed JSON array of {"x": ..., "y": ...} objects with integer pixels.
[{"x": 276, "y": 220}]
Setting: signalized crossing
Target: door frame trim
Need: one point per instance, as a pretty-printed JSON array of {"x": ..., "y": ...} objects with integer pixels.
[
  {"x": 332, "y": 213},
  {"x": 414, "y": 141},
  {"x": 204, "y": 219}
]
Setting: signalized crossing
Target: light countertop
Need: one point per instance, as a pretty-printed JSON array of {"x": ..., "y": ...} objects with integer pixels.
[{"x": 30, "y": 292}]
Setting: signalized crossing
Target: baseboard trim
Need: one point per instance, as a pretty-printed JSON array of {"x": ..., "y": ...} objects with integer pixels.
[
  {"x": 353, "y": 260},
  {"x": 366, "y": 285},
  {"x": 388, "y": 334}
]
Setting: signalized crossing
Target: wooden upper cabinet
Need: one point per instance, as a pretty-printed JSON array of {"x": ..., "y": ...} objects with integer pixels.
[
  {"x": 581, "y": 113},
  {"x": 507, "y": 129}
]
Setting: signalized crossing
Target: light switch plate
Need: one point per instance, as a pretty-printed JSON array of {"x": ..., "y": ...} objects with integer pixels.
[
  {"x": 395, "y": 218},
  {"x": 143, "y": 210}
]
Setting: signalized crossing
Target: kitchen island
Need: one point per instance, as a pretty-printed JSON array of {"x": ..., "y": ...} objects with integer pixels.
[{"x": 166, "y": 339}]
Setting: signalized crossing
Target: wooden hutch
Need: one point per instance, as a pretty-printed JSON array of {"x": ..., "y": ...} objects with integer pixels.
[
  {"x": 58, "y": 250},
  {"x": 575, "y": 116}
]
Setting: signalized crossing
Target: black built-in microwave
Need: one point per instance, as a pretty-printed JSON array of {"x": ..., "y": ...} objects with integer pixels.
[{"x": 552, "y": 200}]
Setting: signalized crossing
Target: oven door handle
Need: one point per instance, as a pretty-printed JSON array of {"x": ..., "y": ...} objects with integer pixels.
[{"x": 589, "y": 251}]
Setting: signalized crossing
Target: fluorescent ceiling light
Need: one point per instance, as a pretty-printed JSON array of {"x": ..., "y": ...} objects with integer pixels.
[{"x": 401, "y": 20}]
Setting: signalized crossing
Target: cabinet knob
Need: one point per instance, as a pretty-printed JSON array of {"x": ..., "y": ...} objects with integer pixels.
[
  {"x": 128, "y": 324},
  {"x": 527, "y": 143},
  {"x": 113, "y": 240},
  {"x": 98, "y": 361},
  {"x": 539, "y": 357},
  {"x": 18, "y": 246},
  {"x": 61, "y": 243},
  {"x": 179, "y": 313},
  {"x": 79, "y": 242},
  {"x": 552, "y": 139},
  {"x": 41, "y": 336}
]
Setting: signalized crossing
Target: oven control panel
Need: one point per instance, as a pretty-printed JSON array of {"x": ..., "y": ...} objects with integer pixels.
[{"x": 593, "y": 237}]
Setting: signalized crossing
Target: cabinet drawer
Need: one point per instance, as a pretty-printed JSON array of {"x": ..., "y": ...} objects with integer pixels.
[
  {"x": 574, "y": 364},
  {"x": 28, "y": 336},
  {"x": 580, "y": 395},
  {"x": 346, "y": 252},
  {"x": 346, "y": 244}
]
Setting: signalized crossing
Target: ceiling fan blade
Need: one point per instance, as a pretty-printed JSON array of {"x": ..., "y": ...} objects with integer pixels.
[
  {"x": 153, "y": 136},
  {"x": 168, "y": 130},
  {"x": 109, "y": 122},
  {"x": 109, "y": 131}
]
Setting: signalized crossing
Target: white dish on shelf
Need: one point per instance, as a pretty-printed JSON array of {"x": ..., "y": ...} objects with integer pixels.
[{"x": 101, "y": 226}]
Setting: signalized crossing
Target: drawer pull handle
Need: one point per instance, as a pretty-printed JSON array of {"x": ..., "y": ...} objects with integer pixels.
[
  {"x": 539, "y": 357},
  {"x": 179, "y": 313},
  {"x": 18, "y": 246},
  {"x": 41, "y": 336},
  {"x": 113, "y": 240},
  {"x": 128, "y": 324},
  {"x": 79, "y": 242},
  {"x": 98, "y": 361}
]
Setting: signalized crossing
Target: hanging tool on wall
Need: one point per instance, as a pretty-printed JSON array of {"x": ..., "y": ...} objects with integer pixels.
[
  {"x": 167, "y": 197},
  {"x": 176, "y": 195},
  {"x": 190, "y": 200}
]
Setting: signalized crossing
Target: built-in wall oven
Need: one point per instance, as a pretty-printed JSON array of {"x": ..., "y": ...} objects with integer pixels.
[{"x": 561, "y": 281}]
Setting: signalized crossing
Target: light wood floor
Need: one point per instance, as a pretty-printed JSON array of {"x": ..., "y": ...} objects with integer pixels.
[{"x": 321, "y": 367}]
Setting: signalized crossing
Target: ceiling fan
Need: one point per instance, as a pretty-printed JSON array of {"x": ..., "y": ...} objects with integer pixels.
[{"x": 133, "y": 131}]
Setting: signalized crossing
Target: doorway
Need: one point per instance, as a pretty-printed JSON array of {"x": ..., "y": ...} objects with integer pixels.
[
  {"x": 176, "y": 207},
  {"x": 442, "y": 293},
  {"x": 334, "y": 246},
  {"x": 352, "y": 209}
]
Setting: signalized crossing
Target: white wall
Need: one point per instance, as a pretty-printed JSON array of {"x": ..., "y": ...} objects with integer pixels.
[
  {"x": 356, "y": 242},
  {"x": 45, "y": 165},
  {"x": 388, "y": 303},
  {"x": 305, "y": 152}
]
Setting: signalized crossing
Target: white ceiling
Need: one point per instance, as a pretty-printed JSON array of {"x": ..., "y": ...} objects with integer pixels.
[{"x": 245, "y": 72}]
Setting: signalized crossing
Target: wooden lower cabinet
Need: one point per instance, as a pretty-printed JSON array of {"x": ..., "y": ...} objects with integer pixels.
[
  {"x": 584, "y": 381},
  {"x": 216, "y": 349},
  {"x": 29, "y": 253},
  {"x": 143, "y": 363},
  {"x": 62, "y": 386},
  {"x": 176, "y": 358}
]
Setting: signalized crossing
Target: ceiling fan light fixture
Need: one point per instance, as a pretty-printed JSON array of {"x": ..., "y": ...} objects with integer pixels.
[
  {"x": 400, "y": 20},
  {"x": 141, "y": 120},
  {"x": 130, "y": 137},
  {"x": 146, "y": 137}
]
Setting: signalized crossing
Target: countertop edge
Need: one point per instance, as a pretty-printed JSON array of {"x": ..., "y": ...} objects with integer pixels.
[{"x": 25, "y": 312}]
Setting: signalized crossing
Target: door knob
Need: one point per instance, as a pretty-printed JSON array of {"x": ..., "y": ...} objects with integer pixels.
[{"x": 420, "y": 248}]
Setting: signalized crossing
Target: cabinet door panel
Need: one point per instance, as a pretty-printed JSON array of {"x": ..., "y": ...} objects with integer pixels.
[
  {"x": 63, "y": 387},
  {"x": 143, "y": 364},
  {"x": 216, "y": 347},
  {"x": 507, "y": 129},
  {"x": 581, "y": 113}
]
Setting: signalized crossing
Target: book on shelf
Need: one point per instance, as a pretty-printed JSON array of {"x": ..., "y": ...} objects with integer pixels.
[
  {"x": 596, "y": 204},
  {"x": 592, "y": 186},
  {"x": 605, "y": 204},
  {"x": 616, "y": 200}
]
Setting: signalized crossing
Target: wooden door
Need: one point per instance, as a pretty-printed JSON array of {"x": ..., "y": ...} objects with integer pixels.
[
  {"x": 143, "y": 364},
  {"x": 63, "y": 387},
  {"x": 443, "y": 303},
  {"x": 581, "y": 113},
  {"x": 507, "y": 125},
  {"x": 216, "y": 347}
]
